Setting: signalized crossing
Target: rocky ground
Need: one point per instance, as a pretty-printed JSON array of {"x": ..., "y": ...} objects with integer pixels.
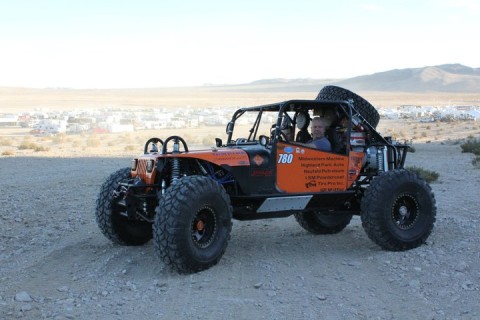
[{"x": 55, "y": 263}]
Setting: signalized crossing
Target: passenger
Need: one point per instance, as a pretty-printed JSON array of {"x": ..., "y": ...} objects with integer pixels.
[
  {"x": 340, "y": 136},
  {"x": 319, "y": 141},
  {"x": 288, "y": 130}
]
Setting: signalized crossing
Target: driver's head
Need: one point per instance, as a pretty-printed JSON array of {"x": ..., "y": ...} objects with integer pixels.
[{"x": 318, "y": 127}]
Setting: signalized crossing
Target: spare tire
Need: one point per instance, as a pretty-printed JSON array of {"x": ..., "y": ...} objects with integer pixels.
[{"x": 334, "y": 93}]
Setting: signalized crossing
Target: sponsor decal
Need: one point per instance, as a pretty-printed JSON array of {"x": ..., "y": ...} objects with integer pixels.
[
  {"x": 311, "y": 184},
  {"x": 261, "y": 173},
  {"x": 285, "y": 158},
  {"x": 258, "y": 159},
  {"x": 288, "y": 149}
]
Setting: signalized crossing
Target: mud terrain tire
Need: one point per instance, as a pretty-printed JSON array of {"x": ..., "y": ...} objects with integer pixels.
[
  {"x": 113, "y": 225},
  {"x": 334, "y": 93},
  {"x": 319, "y": 223},
  {"x": 192, "y": 225},
  {"x": 398, "y": 210}
]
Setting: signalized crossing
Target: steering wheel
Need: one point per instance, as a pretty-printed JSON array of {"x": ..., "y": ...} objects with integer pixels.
[
  {"x": 154, "y": 142},
  {"x": 176, "y": 143},
  {"x": 283, "y": 137}
]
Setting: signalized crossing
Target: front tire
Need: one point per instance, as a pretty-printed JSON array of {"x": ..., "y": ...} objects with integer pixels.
[
  {"x": 320, "y": 223},
  {"x": 398, "y": 210},
  {"x": 115, "y": 226},
  {"x": 192, "y": 225}
]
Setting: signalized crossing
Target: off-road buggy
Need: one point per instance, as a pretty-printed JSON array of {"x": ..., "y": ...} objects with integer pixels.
[{"x": 185, "y": 200}]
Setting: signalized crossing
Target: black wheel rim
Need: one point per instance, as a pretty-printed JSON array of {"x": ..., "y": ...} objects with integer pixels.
[
  {"x": 405, "y": 211},
  {"x": 204, "y": 227}
]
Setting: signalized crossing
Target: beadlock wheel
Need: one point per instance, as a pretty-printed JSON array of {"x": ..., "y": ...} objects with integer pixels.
[
  {"x": 398, "y": 210},
  {"x": 204, "y": 227},
  {"x": 405, "y": 211}
]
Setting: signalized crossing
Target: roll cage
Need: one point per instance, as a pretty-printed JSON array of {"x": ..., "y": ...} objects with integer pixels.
[{"x": 291, "y": 108}]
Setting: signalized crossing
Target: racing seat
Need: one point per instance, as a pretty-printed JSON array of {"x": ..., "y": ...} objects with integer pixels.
[{"x": 303, "y": 136}]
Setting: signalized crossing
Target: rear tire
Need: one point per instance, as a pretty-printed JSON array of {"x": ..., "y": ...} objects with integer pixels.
[
  {"x": 334, "y": 93},
  {"x": 192, "y": 225},
  {"x": 398, "y": 210},
  {"x": 320, "y": 223},
  {"x": 116, "y": 227}
]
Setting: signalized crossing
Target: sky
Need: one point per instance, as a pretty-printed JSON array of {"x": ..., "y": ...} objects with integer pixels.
[{"x": 167, "y": 43}]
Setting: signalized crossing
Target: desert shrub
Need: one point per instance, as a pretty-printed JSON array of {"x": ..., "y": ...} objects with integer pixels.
[
  {"x": 412, "y": 149},
  {"x": 8, "y": 153},
  {"x": 130, "y": 148},
  {"x": 428, "y": 175},
  {"x": 471, "y": 146},
  {"x": 59, "y": 138},
  {"x": 424, "y": 134},
  {"x": 38, "y": 148},
  {"x": 5, "y": 142},
  {"x": 27, "y": 145},
  {"x": 93, "y": 142},
  {"x": 209, "y": 140},
  {"x": 476, "y": 162}
]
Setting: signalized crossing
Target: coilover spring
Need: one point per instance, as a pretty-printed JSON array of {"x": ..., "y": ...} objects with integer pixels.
[
  {"x": 380, "y": 159},
  {"x": 175, "y": 169}
]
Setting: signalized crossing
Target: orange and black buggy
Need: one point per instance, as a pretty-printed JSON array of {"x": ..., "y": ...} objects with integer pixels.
[{"x": 185, "y": 200}]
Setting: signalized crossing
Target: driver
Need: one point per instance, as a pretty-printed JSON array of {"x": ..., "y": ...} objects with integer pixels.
[{"x": 319, "y": 141}]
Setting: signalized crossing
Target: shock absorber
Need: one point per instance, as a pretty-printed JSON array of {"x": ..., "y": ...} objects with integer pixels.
[
  {"x": 380, "y": 160},
  {"x": 176, "y": 169}
]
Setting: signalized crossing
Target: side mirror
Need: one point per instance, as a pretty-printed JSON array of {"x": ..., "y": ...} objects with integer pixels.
[{"x": 218, "y": 142}]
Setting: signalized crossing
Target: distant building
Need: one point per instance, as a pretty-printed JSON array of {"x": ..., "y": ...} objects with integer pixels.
[{"x": 8, "y": 120}]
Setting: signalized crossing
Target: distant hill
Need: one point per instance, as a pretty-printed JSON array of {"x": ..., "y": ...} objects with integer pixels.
[{"x": 443, "y": 78}]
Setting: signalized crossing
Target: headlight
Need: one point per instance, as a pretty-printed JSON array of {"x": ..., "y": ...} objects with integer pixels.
[
  {"x": 134, "y": 164},
  {"x": 150, "y": 166}
]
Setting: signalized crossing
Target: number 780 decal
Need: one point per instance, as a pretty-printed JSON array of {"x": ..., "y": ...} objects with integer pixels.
[{"x": 285, "y": 157}]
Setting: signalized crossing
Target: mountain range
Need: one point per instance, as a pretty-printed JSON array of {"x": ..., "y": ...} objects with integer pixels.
[{"x": 441, "y": 78}]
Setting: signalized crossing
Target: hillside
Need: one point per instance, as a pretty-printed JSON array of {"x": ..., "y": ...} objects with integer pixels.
[
  {"x": 448, "y": 78},
  {"x": 452, "y": 83},
  {"x": 443, "y": 78}
]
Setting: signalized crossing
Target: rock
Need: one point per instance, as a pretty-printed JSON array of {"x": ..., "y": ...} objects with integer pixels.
[
  {"x": 468, "y": 285},
  {"x": 462, "y": 266},
  {"x": 23, "y": 297},
  {"x": 258, "y": 285},
  {"x": 63, "y": 289},
  {"x": 321, "y": 297},
  {"x": 26, "y": 307}
]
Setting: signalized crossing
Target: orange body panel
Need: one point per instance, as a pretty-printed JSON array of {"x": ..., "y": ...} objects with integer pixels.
[
  {"x": 229, "y": 157},
  {"x": 304, "y": 170},
  {"x": 148, "y": 177},
  {"x": 355, "y": 166}
]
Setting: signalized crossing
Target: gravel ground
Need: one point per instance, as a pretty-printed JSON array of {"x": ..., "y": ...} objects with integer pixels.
[{"x": 55, "y": 263}]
